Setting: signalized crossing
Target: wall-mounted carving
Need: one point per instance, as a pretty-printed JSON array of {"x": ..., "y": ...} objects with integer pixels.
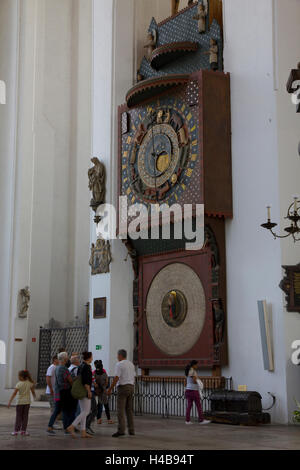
[
  {"x": 201, "y": 18},
  {"x": 100, "y": 257},
  {"x": 290, "y": 285},
  {"x": 24, "y": 299},
  {"x": 96, "y": 176},
  {"x": 219, "y": 319},
  {"x": 151, "y": 44}
]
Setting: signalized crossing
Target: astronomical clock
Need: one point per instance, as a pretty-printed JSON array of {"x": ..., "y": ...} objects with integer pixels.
[{"x": 175, "y": 148}]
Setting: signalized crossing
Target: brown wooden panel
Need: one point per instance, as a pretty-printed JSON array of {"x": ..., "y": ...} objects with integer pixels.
[
  {"x": 216, "y": 120},
  {"x": 218, "y": 227},
  {"x": 216, "y": 12},
  {"x": 203, "y": 350}
]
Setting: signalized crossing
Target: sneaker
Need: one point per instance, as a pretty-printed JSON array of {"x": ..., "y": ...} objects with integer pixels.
[
  {"x": 14, "y": 433},
  {"x": 57, "y": 427},
  {"x": 50, "y": 432},
  {"x": 90, "y": 431},
  {"x": 188, "y": 422},
  {"x": 25, "y": 433},
  {"x": 205, "y": 421}
]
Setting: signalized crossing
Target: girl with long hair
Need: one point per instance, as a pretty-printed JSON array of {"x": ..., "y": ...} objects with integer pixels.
[
  {"x": 24, "y": 387},
  {"x": 192, "y": 392}
]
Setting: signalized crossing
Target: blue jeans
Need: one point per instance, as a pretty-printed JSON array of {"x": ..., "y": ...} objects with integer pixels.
[
  {"x": 66, "y": 408},
  {"x": 100, "y": 410},
  {"x": 67, "y": 415},
  {"x": 56, "y": 412}
]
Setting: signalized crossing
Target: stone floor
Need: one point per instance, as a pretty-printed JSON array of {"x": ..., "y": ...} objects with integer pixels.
[{"x": 151, "y": 434}]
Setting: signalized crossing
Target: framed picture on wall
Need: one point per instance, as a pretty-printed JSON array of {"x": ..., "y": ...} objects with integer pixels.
[{"x": 99, "y": 310}]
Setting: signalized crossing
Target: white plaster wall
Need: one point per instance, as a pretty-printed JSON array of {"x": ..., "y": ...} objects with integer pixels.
[
  {"x": 287, "y": 47},
  {"x": 113, "y": 76},
  {"x": 9, "y": 30},
  {"x": 121, "y": 272},
  {"x": 80, "y": 150},
  {"x": 44, "y": 153},
  {"x": 100, "y": 285},
  {"x": 60, "y": 244},
  {"x": 253, "y": 258}
]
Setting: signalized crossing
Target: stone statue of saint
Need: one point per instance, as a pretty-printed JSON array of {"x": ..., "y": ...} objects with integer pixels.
[
  {"x": 201, "y": 18},
  {"x": 96, "y": 176},
  {"x": 24, "y": 302}
]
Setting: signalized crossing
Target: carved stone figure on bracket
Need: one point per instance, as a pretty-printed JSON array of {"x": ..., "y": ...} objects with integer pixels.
[
  {"x": 24, "y": 299},
  {"x": 219, "y": 317},
  {"x": 100, "y": 257},
  {"x": 96, "y": 176},
  {"x": 151, "y": 44},
  {"x": 201, "y": 18}
]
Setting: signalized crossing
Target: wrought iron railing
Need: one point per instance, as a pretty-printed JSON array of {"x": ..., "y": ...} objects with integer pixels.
[
  {"x": 71, "y": 338},
  {"x": 165, "y": 396}
]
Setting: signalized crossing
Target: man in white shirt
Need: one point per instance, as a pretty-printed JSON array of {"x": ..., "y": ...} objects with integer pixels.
[
  {"x": 125, "y": 380},
  {"x": 50, "y": 379}
]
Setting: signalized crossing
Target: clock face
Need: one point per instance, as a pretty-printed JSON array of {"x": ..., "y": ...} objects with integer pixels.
[
  {"x": 158, "y": 156},
  {"x": 159, "y": 152}
]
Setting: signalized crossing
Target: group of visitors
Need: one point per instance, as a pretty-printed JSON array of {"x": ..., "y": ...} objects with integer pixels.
[
  {"x": 81, "y": 392},
  {"x": 78, "y": 393}
]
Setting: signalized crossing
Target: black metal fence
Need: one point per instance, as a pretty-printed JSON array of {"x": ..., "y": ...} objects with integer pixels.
[
  {"x": 165, "y": 396},
  {"x": 72, "y": 338},
  {"x": 160, "y": 396}
]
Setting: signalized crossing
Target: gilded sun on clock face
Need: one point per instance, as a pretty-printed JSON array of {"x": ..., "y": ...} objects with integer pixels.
[{"x": 159, "y": 153}]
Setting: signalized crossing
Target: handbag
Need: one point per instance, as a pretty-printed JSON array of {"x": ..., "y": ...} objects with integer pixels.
[
  {"x": 78, "y": 389},
  {"x": 201, "y": 387}
]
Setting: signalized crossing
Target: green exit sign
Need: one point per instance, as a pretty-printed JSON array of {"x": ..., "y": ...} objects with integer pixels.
[{"x": 98, "y": 347}]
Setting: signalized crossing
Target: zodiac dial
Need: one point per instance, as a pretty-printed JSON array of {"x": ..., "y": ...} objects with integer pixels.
[{"x": 159, "y": 154}]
